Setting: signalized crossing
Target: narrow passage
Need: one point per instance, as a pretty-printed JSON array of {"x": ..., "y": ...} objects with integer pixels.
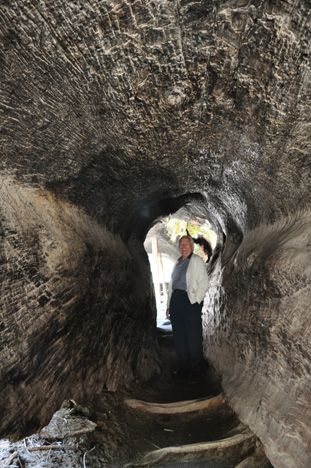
[
  {"x": 165, "y": 423},
  {"x": 177, "y": 423}
]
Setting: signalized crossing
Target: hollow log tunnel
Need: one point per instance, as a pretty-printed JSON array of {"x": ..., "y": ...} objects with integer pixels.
[{"x": 113, "y": 115}]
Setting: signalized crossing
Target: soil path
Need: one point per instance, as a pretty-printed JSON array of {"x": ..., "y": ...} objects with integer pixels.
[
  {"x": 141, "y": 432},
  {"x": 110, "y": 433}
]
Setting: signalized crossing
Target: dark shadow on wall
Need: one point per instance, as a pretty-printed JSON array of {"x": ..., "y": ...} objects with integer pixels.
[{"x": 150, "y": 210}]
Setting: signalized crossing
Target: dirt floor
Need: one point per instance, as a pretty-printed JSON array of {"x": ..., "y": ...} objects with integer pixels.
[{"x": 108, "y": 433}]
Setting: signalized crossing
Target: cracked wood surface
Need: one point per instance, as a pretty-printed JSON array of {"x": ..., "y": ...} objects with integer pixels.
[{"x": 114, "y": 115}]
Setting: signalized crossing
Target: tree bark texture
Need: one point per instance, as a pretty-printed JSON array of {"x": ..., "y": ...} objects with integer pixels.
[{"x": 114, "y": 114}]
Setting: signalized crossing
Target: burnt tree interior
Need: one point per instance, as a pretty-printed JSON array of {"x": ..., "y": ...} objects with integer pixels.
[{"x": 113, "y": 115}]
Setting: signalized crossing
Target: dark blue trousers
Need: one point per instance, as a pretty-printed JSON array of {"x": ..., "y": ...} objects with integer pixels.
[{"x": 187, "y": 329}]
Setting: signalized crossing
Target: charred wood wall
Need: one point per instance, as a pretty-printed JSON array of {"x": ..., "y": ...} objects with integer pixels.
[
  {"x": 114, "y": 114},
  {"x": 76, "y": 308}
]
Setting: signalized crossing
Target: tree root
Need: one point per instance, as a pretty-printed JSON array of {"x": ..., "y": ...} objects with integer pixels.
[
  {"x": 176, "y": 407},
  {"x": 193, "y": 451}
]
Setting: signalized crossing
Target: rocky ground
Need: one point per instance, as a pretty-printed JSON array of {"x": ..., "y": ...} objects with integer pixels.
[{"x": 106, "y": 432}]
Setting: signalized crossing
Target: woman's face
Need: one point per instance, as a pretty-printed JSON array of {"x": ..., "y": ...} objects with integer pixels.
[{"x": 185, "y": 247}]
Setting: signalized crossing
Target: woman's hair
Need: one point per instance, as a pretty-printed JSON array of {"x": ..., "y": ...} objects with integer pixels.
[{"x": 203, "y": 243}]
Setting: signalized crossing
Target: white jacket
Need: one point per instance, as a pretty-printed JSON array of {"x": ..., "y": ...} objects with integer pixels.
[{"x": 196, "y": 281}]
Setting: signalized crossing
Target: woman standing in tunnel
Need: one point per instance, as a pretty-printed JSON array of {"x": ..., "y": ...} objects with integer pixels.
[{"x": 187, "y": 288}]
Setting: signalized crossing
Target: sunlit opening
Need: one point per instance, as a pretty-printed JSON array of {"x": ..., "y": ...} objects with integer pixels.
[{"x": 162, "y": 247}]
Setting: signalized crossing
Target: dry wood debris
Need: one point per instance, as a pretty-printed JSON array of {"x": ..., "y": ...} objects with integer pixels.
[{"x": 57, "y": 445}]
